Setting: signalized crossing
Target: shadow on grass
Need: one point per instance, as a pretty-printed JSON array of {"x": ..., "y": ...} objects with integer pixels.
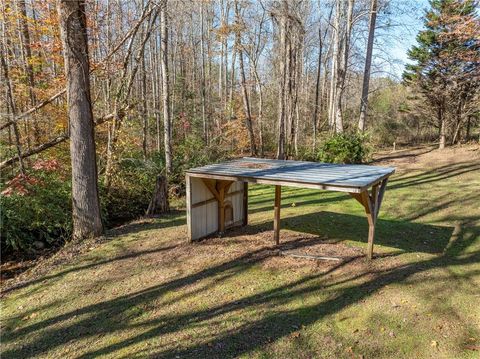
[
  {"x": 404, "y": 235},
  {"x": 405, "y": 153},
  {"x": 453, "y": 247},
  {"x": 171, "y": 219},
  {"x": 434, "y": 175},
  {"x": 115, "y": 315}
]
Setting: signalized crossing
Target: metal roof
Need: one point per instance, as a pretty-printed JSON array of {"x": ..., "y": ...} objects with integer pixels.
[{"x": 297, "y": 173}]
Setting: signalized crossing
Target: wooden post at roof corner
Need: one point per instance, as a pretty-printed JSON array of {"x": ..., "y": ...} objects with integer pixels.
[
  {"x": 276, "y": 219},
  {"x": 245, "y": 203}
]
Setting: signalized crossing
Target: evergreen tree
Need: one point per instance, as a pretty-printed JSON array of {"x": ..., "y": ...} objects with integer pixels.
[{"x": 446, "y": 64}]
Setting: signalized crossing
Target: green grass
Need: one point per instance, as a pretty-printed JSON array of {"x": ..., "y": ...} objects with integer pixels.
[{"x": 146, "y": 292}]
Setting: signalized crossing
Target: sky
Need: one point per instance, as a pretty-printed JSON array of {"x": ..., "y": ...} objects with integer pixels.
[{"x": 403, "y": 34}]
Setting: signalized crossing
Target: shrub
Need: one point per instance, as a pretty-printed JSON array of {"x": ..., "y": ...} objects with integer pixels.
[
  {"x": 345, "y": 148},
  {"x": 193, "y": 153},
  {"x": 36, "y": 207},
  {"x": 131, "y": 189}
]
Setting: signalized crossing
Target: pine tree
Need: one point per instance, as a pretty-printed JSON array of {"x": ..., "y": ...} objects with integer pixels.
[{"x": 446, "y": 63}]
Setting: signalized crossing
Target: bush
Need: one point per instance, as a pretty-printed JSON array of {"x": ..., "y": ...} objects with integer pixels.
[
  {"x": 131, "y": 189},
  {"x": 36, "y": 207},
  {"x": 345, "y": 148},
  {"x": 194, "y": 153}
]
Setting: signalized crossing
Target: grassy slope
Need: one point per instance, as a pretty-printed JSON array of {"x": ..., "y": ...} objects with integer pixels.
[{"x": 146, "y": 292}]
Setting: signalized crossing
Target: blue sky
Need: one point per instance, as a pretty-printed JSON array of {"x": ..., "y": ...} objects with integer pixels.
[{"x": 403, "y": 34}]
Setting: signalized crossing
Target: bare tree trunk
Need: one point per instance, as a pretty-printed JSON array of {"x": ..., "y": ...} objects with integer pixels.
[
  {"x": 317, "y": 91},
  {"x": 12, "y": 108},
  {"x": 333, "y": 71},
  {"x": 203, "y": 94},
  {"x": 441, "y": 118},
  {"x": 246, "y": 101},
  {"x": 165, "y": 89},
  {"x": 281, "y": 95},
  {"x": 368, "y": 64},
  {"x": 232, "y": 81},
  {"x": 345, "y": 17},
  {"x": 144, "y": 113},
  {"x": 86, "y": 205},
  {"x": 27, "y": 51},
  {"x": 260, "y": 111},
  {"x": 159, "y": 202}
]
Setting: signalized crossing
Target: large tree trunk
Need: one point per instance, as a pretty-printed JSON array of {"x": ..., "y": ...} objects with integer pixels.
[
  {"x": 165, "y": 90},
  {"x": 86, "y": 205},
  {"x": 368, "y": 64},
  {"x": 159, "y": 202}
]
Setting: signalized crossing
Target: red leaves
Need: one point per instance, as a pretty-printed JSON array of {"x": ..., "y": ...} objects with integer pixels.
[
  {"x": 46, "y": 165},
  {"x": 18, "y": 185}
]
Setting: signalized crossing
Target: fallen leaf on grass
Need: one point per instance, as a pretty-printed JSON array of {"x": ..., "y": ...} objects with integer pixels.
[
  {"x": 472, "y": 347},
  {"x": 295, "y": 335}
]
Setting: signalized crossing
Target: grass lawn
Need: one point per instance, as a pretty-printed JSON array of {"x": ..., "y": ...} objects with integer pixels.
[{"x": 145, "y": 291}]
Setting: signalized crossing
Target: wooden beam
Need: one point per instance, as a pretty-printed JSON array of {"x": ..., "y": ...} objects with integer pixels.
[
  {"x": 276, "y": 218},
  {"x": 203, "y": 203},
  {"x": 188, "y": 191},
  {"x": 245, "y": 203},
  {"x": 211, "y": 185},
  {"x": 372, "y": 219}
]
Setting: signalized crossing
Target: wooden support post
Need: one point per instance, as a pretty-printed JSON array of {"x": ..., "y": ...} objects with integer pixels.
[
  {"x": 188, "y": 181},
  {"x": 221, "y": 210},
  {"x": 276, "y": 219},
  {"x": 371, "y": 203},
  {"x": 245, "y": 203}
]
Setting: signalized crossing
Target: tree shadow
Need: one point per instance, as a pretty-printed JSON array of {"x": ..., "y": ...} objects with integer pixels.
[
  {"x": 174, "y": 218},
  {"x": 113, "y": 315},
  {"x": 404, "y": 235},
  {"x": 434, "y": 175},
  {"x": 406, "y": 153}
]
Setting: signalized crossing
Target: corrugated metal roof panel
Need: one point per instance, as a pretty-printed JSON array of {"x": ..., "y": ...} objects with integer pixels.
[{"x": 357, "y": 176}]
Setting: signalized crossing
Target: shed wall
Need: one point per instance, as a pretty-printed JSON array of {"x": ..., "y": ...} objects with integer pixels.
[{"x": 202, "y": 207}]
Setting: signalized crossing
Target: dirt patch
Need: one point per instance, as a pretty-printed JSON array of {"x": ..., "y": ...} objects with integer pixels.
[
  {"x": 427, "y": 157},
  {"x": 253, "y": 165}
]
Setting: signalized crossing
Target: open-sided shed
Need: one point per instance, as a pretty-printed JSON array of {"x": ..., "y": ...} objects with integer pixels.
[{"x": 217, "y": 194}]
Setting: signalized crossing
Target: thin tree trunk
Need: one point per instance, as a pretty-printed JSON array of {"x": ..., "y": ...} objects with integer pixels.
[
  {"x": 260, "y": 110},
  {"x": 368, "y": 64},
  {"x": 144, "y": 113},
  {"x": 317, "y": 91},
  {"x": 86, "y": 205},
  {"x": 246, "y": 101},
  {"x": 202, "y": 89},
  {"x": 27, "y": 51},
  {"x": 165, "y": 89},
  {"x": 281, "y": 95},
  {"x": 441, "y": 118},
  {"x": 12, "y": 108}
]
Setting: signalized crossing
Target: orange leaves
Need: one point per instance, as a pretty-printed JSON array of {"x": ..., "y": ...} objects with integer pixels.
[{"x": 18, "y": 185}]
